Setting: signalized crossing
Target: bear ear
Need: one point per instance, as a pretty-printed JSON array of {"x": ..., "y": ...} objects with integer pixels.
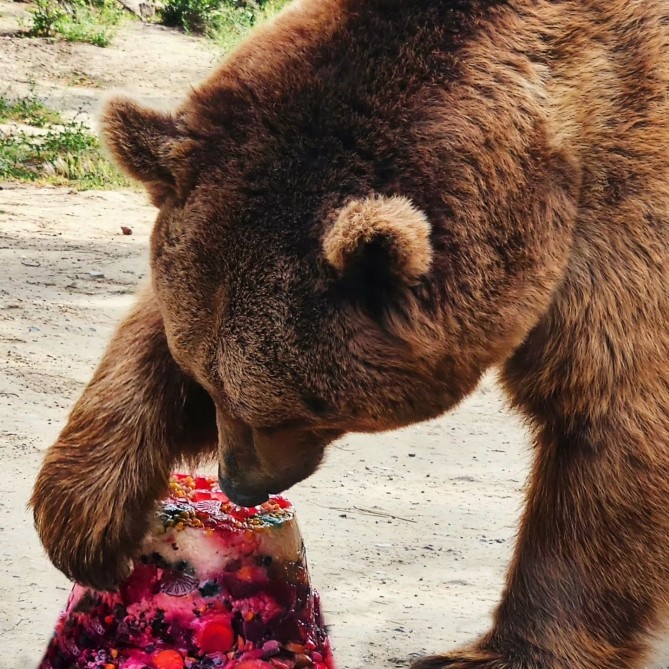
[
  {"x": 145, "y": 143},
  {"x": 380, "y": 237}
]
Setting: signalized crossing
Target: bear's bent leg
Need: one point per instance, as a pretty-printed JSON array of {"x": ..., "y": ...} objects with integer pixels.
[
  {"x": 590, "y": 575},
  {"x": 137, "y": 417}
]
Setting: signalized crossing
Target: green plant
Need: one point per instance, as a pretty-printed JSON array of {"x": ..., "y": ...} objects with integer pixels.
[
  {"x": 52, "y": 151},
  {"x": 92, "y": 21},
  {"x": 62, "y": 156},
  {"x": 225, "y": 21},
  {"x": 28, "y": 109},
  {"x": 46, "y": 16},
  {"x": 192, "y": 15}
]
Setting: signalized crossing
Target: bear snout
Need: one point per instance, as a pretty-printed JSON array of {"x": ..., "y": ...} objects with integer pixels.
[
  {"x": 254, "y": 463},
  {"x": 239, "y": 494}
]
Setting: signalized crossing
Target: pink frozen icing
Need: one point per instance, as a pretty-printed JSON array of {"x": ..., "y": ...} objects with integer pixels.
[{"x": 216, "y": 586}]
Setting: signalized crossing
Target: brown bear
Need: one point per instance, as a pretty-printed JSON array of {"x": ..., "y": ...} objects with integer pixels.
[{"x": 367, "y": 206}]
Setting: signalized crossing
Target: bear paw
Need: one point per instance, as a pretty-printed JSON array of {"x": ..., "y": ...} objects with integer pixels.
[
  {"x": 89, "y": 531},
  {"x": 472, "y": 659}
]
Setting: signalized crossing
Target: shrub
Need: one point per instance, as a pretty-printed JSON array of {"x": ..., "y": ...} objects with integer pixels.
[
  {"x": 226, "y": 21},
  {"x": 46, "y": 16},
  {"x": 29, "y": 110},
  {"x": 92, "y": 21},
  {"x": 56, "y": 152}
]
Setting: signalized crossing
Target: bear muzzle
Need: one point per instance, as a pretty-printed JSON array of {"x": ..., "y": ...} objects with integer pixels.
[
  {"x": 240, "y": 495},
  {"x": 256, "y": 463},
  {"x": 240, "y": 472}
]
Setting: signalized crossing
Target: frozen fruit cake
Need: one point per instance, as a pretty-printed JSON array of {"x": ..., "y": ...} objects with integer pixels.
[{"x": 217, "y": 585}]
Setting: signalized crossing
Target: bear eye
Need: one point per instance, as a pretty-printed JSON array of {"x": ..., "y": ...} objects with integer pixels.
[{"x": 316, "y": 405}]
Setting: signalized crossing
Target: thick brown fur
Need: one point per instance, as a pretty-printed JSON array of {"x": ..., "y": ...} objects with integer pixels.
[{"x": 531, "y": 138}]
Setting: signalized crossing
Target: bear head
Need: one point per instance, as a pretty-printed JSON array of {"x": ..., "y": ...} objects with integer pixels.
[{"x": 353, "y": 225}]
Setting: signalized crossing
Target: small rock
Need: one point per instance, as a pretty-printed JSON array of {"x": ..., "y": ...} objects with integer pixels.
[
  {"x": 126, "y": 230},
  {"x": 96, "y": 275}
]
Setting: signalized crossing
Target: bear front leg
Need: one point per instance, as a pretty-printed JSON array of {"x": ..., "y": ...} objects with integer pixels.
[
  {"x": 138, "y": 416},
  {"x": 590, "y": 573}
]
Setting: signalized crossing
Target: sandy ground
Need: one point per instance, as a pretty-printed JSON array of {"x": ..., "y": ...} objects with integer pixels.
[{"x": 408, "y": 534}]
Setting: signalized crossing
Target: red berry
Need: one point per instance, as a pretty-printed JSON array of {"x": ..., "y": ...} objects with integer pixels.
[
  {"x": 216, "y": 636},
  {"x": 167, "y": 659},
  {"x": 202, "y": 483}
]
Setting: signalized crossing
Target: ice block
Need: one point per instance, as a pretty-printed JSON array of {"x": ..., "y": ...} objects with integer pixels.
[{"x": 216, "y": 585}]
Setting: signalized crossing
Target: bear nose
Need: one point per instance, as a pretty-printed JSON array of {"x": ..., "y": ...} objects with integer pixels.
[
  {"x": 240, "y": 495},
  {"x": 239, "y": 470}
]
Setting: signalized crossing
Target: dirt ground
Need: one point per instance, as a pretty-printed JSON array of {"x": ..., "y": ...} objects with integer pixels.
[{"x": 408, "y": 534}]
